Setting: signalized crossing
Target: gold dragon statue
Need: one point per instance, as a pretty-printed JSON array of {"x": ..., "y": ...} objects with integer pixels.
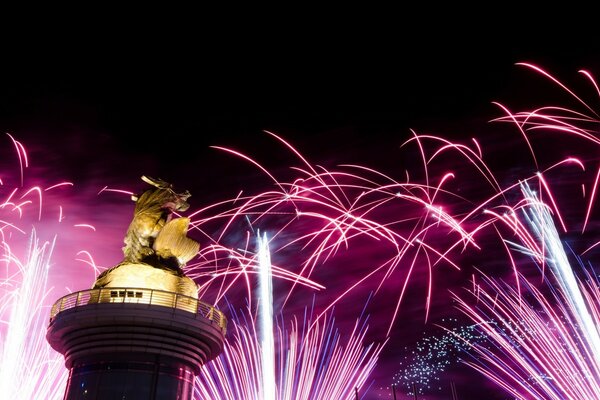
[{"x": 156, "y": 244}]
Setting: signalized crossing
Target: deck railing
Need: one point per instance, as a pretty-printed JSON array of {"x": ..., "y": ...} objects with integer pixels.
[{"x": 139, "y": 296}]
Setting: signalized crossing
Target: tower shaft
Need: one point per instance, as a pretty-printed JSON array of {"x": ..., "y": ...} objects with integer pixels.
[{"x": 134, "y": 344}]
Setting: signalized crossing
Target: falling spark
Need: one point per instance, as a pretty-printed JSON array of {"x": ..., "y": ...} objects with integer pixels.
[{"x": 427, "y": 360}]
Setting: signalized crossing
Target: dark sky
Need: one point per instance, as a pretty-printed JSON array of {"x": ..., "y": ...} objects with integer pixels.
[
  {"x": 146, "y": 95},
  {"x": 159, "y": 104}
]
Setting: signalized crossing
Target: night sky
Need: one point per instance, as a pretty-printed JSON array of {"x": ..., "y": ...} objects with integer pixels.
[{"x": 103, "y": 114}]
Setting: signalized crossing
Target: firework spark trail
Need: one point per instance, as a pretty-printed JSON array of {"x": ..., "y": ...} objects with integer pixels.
[
  {"x": 341, "y": 207},
  {"x": 545, "y": 344},
  {"x": 310, "y": 364},
  {"x": 353, "y": 203},
  {"x": 539, "y": 351},
  {"x": 541, "y": 223},
  {"x": 30, "y": 368},
  {"x": 217, "y": 261},
  {"x": 581, "y": 124}
]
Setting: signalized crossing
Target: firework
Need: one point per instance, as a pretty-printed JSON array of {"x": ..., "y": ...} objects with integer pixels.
[
  {"x": 540, "y": 351},
  {"x": 545, "y": 339},
  {"x": 30, "y": 368},
  {"x": 33, "y": 369},
  {"x": 313, "y": 361},
  {"x": 331, "y": 212},
  {"x": 267, "y": 344},
  {"x": 416, "y": 225},
  {"x": 427, "y": 360}
]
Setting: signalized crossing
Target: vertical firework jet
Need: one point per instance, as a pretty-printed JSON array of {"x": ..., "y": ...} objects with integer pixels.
[
  {"x": 266, "y": 319},
  {"x": 30, "y": 368},
  {"x": 542, "y": 342},
  {"x": 541, "y": 223},
  {"x": 311, "y": 363}
]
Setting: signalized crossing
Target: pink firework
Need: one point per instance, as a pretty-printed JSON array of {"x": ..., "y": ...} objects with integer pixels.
[
  {"x": 33, "y": 220},
  {"x": 413, "y": 225},
  {"x": 317, "y": 363},
  {"x": 543, "y": 339}
]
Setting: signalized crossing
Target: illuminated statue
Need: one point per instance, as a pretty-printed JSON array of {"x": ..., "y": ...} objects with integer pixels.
[
  {"x": 153, "y": 237},
  {"x": 156, "y": 245}
]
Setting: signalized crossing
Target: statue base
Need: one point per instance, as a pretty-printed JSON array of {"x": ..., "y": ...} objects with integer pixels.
[{"x": 141, "y": 275}]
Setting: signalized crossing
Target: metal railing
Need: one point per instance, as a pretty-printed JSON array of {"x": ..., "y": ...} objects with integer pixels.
[{"x": 139, "y": 296}]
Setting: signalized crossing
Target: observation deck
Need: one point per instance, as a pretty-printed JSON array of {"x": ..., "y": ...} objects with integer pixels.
[{"x": 154, "y": 342}]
